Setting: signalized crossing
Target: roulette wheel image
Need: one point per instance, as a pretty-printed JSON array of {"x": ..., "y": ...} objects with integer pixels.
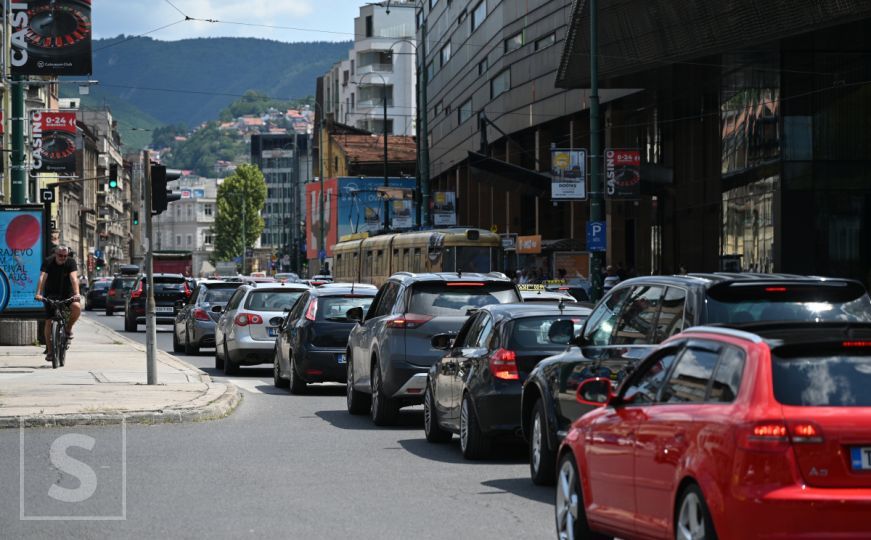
[
  {"x": 58, "y": 37},
  {"x": 58, "y": 148}
]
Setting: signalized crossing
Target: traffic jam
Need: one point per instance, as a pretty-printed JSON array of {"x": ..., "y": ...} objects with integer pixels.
[{"x": 693, "y": 406}]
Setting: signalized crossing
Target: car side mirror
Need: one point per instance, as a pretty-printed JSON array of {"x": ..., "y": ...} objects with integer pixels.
[
  {"x": 578, "y": 340},
  {"x": 443, "y": 342},
  {"x": 217, "y": 309},
  {"x": 597, "y": 392},
  {"x": 355, "y": 314},
  {"x": 276, "y": 321}
]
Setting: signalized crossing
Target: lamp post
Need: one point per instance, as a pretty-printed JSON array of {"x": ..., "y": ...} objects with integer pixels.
[{"x": 386, "y": 181}]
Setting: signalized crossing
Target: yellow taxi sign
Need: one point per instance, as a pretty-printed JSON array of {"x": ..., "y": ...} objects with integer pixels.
[{"x": 531, "y": 287}]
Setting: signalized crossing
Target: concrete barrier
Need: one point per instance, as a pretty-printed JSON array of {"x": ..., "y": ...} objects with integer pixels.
[{"x": 18, "y": 332}]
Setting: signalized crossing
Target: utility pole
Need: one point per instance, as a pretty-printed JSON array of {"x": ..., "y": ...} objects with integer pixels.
[
  {"x": 386, "y": 182},
  {"x": 597, "y": 188},
  {"x": 244, "y": 238},
  {"x": 422, "y": 137},
  {"x": 19, "y": 172},
  {"x": 150, "y": 322}
]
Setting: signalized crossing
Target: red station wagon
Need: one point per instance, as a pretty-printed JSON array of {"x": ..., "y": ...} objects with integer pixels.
[{"x": 723, "y": 433}]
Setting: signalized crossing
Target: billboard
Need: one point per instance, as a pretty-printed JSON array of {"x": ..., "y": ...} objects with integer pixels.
[
  {"x": 623, "y": 173},
  {"x": 313, "y": 218},
  {"x": 568, "y": 174},
  {"x": 444, "y": 208},
  {"x": 361, "y": 206},
  {"x": 21, "y": 256},
  {"x": 53, "y": 139},
  {"x": 50, "y": 37}
]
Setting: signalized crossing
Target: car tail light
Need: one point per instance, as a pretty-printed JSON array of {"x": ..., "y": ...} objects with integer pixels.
[
  {"x": 138, "y": 292},
  {"x": 805, "y": 433},
  {"x": 314, "y": 372},
  {"x": 312, "y": 310},
  {"x": 777, "y": 435},
  {"x": 187, "y": 289},
  {"x": 465, "y": 284},
  {"x": 111, "y": 292},
  {"x": 244, "y": 319},
  {"x": 201, "y": 315},
  {"x": 503, "y": 365},
  {"x": 409, "y": 321},
  {"x": 775, "y": 289},
  {"x": 855, "y": 344}
]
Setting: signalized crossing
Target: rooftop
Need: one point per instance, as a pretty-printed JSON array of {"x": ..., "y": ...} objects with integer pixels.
[{"x": 370, "y": 148}]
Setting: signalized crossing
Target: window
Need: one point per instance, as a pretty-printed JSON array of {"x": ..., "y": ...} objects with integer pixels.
[
  {"x": 190, "y": 211},
  {"x": 514, "y": 42},
  {"x": 208, "y": 209},
  {"x": 352, "y": 67},
  {"x": 178, "y": 240},
  {"x": 465, "y": 111},
  {"x": 689, "y": 380},
  {"x": 482, "y": 341},
  {"x": 437, "y": 110},
  {"x": 479, "y": 14},
  {"x": 385, "y": 306},
  {"x": 446, "y": 54},
  {"x": 600, "y": 325},
  {"x": 727, "y": 377},
  {"x": 432, "y": 3},
  {"x": 368, "y": 25},
  {"x": 353, "y": 101},
  {"x": 419, "y": 18},
  {"x": 482, "y": 66},
  {"x": 822, "y": 378},
  {"x": 635, "y": 326},
  {"x": 545, "y": 42},
  {"x": 190, "y": 240},
  {"x": 500, "y": 83},
  {"x": 208, "y": 239},
  {"x": 430, "y": 70},
  {"x": 672, "y": 314},
  {"x": 644, "y": 388}
]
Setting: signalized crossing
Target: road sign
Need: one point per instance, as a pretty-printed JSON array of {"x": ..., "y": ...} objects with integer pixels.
[
  {"x": 322, "y": 255},
  {"x": 46, "y": 195},
  {"x": 596, "y": 236},
  {"x": 98, "y": 253}
]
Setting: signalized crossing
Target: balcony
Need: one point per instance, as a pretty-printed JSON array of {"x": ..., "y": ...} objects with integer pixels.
[
  {"x": 374, "y": 103},
  {"x": 375, "y": 68}
]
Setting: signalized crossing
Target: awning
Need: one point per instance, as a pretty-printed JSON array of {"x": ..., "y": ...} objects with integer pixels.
[
  {"x": 516, "y": 177},
  {"x": 639, "y": 35}
]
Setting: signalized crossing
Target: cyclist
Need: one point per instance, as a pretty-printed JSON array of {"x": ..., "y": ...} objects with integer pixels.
[{"x": 58, "y": 280}]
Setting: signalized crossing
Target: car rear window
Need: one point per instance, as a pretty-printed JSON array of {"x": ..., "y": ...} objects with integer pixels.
[
  {"x": 124, "y": 283},
  {"x": 335, "y": 308},
  {"x": 832, "y": 302},
  {"x": 456, "y": 298},
  {"x": 100, "y": 285},
  {"x": 271, "y": 300},
  {"x": 548, "y": 332},
  {"x": 218, "y": 295},
  {"x": 835, "y": 380}
]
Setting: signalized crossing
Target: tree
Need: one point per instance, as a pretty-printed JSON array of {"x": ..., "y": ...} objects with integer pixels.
[{"x": 246, "y": 186}]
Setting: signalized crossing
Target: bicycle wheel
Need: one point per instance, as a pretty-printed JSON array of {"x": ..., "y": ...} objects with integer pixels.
[
  {"x": 55, "y": 342},
  {"x": 62, "y": 350}
]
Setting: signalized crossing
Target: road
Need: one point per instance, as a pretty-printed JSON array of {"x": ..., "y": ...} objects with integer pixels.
[{"x": 281, "y": 465}]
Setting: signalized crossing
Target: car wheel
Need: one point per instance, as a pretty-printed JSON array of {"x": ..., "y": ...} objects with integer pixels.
[
  {"x": 189, "y": 347},
  {"x": 297, "y": 385},
  {"x": 219, "y": 358},
  {"x": 473, "y": 443},
  {"x": 277, "y": 379},
  {"x": 693, "y": 520},
  {"x": 130, "y": 325},
  {"x": 357, "y": 401},
  {"x": 431, "y": 428},
  {"x": 109, "y": 312},
  {"x": 230, "y": 367},
  {"x": 571, "y": 518},
  {"x": 176, "y": 346},
  {"x": 541, "y": 457},
  {"x": 383, "y": 410}
]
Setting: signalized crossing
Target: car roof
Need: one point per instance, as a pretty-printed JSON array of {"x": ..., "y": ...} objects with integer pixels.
[
  {"x": 179, "y": 276},
  {"x": 549, "y": 295},
  {"x": 214, "y": 282},
  {"x": 522, "y": 310},
  {"x": 708, "y": 280},
  {"x": 341, "y": 289},
  {"x": 781, "y": 333},
  {"x": 277, "y": 286},
  {"x": 409, "y": 277}
]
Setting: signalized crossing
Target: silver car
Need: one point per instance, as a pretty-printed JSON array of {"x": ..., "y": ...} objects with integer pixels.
[{"x": 246, "y": 331}]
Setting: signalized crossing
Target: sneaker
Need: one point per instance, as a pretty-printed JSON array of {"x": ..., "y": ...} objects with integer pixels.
[{"x": 48, "y": 356}]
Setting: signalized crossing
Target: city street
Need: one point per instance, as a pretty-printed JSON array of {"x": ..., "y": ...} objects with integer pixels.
[{"x": 281, "y": 465}]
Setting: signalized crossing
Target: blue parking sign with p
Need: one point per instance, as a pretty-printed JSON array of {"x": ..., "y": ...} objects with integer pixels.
[{"x": 596, "y": 236}]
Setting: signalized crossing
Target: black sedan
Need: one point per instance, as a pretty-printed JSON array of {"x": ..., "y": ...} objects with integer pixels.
[
  {"x": 194, "y": 326},
  {"x": 96, "y": 297},
  {"x": 313, "y": 338},
  {"x": 474, "y": 390}
]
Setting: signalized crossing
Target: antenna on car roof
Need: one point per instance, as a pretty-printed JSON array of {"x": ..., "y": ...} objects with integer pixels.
[
  {"x": 561, "y": 306},
  {"x": 459, "y": 273},
  {"x": 352, "y": 287}
]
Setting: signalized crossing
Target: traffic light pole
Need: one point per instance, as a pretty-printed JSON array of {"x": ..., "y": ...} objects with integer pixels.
[
  {"x": 150, "y": 322},
  {"x": 597, "y": 187}
]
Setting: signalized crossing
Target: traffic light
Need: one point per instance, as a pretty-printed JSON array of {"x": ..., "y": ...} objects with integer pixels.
[
  {"x": 99, "y": 263},
  {"x": 113, "y": 176},
  {"x": 136, "y": 218},
  {"x": 160, "y": 196}
]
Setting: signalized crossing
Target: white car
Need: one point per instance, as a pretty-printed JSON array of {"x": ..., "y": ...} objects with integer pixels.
[
  {"x": 246, "y": 331},
  {"x": 551, "y": 297}
]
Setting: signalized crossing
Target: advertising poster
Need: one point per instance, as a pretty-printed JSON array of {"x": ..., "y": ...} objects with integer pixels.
[
  {"x": 444, "y": 208},
  {"x": 50, "y": 37},
  {"x": 568, "y": 174},
  {"x": 402, "y": 214},
  {"x": 361, "y": 205},
  {"x": 529, "y": 245},
  {"x": 313, "y": 215},
  {"x": 623, "y": 173},
  {"x": 53, "y": 141},
  {"x": 21, "y": 256}
]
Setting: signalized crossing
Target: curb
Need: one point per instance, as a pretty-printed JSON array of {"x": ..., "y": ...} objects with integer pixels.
[{"x": 220, "y": 407}]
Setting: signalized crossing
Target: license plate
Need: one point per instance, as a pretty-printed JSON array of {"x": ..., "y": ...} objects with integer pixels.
[
  {"x": 272, "y": 331},
  {"x": 860, "y": 457},
  {"x": 340, "y": 358},
  {"x": 160, "y": 309}
]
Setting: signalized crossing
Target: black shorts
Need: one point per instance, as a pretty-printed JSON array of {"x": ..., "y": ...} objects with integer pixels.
[{"x": 49, "y": 308}]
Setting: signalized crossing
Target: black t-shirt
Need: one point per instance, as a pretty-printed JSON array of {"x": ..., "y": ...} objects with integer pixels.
[{"x": 57, "y": 281}]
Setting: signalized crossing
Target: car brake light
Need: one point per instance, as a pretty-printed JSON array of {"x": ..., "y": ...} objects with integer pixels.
[
  {"x": 138, "y": 292},
  {"x": 111, "y": 292},
  {"x": 409, "y": 321},
  {"x": 201, "y": 315},
  {"x": 244, "y": 319},
  {"x": 852, "y": 344},
  {"x": 312, "y": 310},
  {"x": 805, "y": 432},
  {"x": 775, "y": 289},
  {"x": 465, "y": 284},
  {"x": 776, "y": 435},
  {"x": 503, "y": 365}
]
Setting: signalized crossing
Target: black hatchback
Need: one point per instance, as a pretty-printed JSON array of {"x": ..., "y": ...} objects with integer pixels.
[
  {"x": 474, "y": 390},
  {"x": 168, "y": 290},
  {"x": 313, "y": 338}
]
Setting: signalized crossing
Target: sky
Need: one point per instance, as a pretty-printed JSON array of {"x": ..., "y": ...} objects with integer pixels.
[{"x": 331, "y": 20}]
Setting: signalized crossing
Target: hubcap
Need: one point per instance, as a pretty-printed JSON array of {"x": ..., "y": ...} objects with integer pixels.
[
  {"x": 427, "y": 413},
  {"x": 691, "y": 523},
  {"x": 349, "y": 381},
  {"x": 376, "y": 386},
  {"x": 536, "y": 443},
  {"x": 464, "y": 424},
  {"x": 566, "y": 502},
  {"x": 275, "y": 367}
]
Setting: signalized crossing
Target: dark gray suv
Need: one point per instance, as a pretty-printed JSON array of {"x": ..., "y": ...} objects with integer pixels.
[{"x": 391, "y": 350}]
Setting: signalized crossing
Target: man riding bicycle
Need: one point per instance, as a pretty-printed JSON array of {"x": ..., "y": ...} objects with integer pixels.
[{"x": 58, "y": 280}]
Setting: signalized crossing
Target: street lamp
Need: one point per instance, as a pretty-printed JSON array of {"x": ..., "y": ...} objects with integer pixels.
[{"x": 384, "y": 99}]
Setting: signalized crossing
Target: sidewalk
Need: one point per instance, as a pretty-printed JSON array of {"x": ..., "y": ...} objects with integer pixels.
[{"x": 104, "y": 382}]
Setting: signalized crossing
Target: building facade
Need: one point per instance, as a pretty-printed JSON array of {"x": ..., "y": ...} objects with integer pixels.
[{"x": 187, "y": 223}]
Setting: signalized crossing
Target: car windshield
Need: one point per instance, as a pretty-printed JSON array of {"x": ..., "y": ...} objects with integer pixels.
[
  {"x": 835, "y": 380},
  {"x": 454, "y": 299},
  {"x": 124, "y": 283},
  {"x": 218, "y": 295},
  {"x": 806, "y": 303},
  {"x": 548, "y": 332},
  {"x": 271, "y": 300},
  {"x": 467, "y": 259},
  {"x": 335, "y": 308}
]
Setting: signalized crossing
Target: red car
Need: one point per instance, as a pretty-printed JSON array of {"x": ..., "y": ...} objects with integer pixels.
[{"x": 722, "y": 433}]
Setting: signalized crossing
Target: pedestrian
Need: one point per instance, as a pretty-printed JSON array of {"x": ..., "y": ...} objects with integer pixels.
[
  {"x": 561, "y": 274},
  {"x": 59, "y": 280},
  {"x": 611, "y": 278}
]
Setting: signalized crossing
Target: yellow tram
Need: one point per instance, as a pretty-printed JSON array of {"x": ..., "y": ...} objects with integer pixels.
[{"x": 373, "y": 260}]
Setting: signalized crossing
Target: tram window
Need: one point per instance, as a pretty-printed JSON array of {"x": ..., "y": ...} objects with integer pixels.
[
  {"x": 417, "y": 262},
  {"x": 381, "y": 263}
]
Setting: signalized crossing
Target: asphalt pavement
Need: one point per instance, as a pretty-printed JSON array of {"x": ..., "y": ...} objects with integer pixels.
[{"x": 280, "y": 465}]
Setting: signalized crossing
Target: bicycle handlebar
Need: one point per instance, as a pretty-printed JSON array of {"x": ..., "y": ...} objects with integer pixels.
[{"x": 59, "y": 302}]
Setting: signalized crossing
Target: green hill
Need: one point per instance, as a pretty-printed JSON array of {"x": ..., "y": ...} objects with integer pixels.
[{"x": 135, "y": 126}]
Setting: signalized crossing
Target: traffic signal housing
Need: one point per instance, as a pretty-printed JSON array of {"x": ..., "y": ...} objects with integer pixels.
[
  {"x": 136, "y": 218},
  {"x": 160, "y": 196},
  {"x": 113, "y": 176}
]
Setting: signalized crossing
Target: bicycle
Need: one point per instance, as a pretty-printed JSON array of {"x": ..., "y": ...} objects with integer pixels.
[{"x": 59, "y": 338}]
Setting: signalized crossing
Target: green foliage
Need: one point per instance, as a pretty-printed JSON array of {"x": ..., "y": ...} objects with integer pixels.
[
  {"x": 254, "y": 103},
  {"x": 204, "y": 148},
  {"x": 246, "y": 186},
  {"x": 164, "y": 136}
]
